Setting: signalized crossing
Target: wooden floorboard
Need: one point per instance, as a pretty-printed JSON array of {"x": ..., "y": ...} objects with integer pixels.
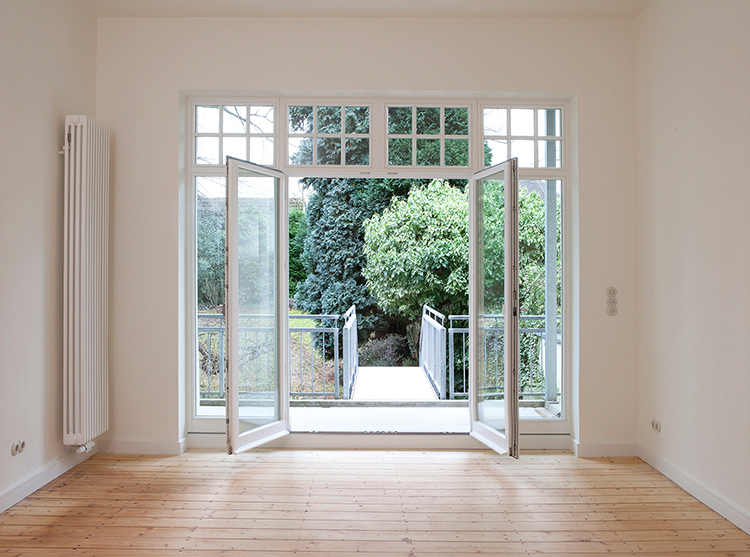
[{"x": 338, "y": 503}]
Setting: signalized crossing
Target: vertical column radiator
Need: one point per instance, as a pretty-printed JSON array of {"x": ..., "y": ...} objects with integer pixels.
[{"x": 85, "y": 313}]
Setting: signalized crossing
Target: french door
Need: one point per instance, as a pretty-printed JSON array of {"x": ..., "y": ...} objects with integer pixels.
[
  {"x": 256, "y": 307},
  {"x": 494, "y": 312}
]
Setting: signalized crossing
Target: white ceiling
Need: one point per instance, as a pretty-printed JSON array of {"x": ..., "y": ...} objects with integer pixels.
[{"x": 367, "y": 8}]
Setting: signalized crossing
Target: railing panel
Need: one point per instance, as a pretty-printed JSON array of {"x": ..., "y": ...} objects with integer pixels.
[
  {"x": 432, "y": 340},
  {"x": 314, "y": 368},
  {"x": 351, "y": 350},
  {"x": 532, "y": 384}
]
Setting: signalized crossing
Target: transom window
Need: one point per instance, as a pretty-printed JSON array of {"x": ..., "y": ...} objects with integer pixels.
[
  {"x": 377, "y": 135},
  {"x": 428, "y": 136},
  {"x": 534, "y": 136},
  {"x": 328, "y": 135},
  {"x": 235, "y": 130}
]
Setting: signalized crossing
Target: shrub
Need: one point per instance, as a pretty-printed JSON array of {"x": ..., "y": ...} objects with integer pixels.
[{"x": 389, "y": 350}]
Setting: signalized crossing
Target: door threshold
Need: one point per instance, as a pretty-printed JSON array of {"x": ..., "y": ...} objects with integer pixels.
[{"x": 327, "y": 403}]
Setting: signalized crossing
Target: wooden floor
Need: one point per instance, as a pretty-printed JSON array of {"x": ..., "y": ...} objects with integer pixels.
[{"x": 340, "y": 503}]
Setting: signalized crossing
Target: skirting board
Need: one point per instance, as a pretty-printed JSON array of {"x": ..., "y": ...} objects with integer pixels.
[
  {"x": 129, "y": 446},
  {"x": 598, "y": 450},
  {"x": 734, "y": 514},
  {"x": 39, "y": 479}
]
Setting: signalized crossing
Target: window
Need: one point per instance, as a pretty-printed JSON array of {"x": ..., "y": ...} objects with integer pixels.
[
  {"x": 241, "y": 131},
  {"x": 328, "y": 135},
  {"x": 428, "y": 136},
  {"x": 533, "y": 134},
  {"x": 385, "y": 138}
]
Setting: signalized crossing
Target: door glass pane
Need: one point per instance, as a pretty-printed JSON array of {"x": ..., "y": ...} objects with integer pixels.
[
  {"x": 491, "y": 366},
  {"x": 540, "y": 365},
  {"x": 257, "y": 360},
  {"x": 210, "y": 209}
]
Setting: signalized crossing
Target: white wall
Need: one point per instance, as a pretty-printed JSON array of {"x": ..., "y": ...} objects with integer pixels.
[
  {"x": 694, "y": 203},
  {"x": 48, "y": 69},
  {"x": 143, "y": 64}
]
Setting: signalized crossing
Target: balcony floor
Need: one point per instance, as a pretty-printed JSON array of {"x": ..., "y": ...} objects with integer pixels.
[
  {"x": 392, "y": 383},
  {"x": 385, "y": 419}
]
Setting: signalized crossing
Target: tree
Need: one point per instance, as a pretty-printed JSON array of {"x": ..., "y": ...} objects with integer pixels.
[
  {"x": 297, "y": 234},
  {"x": 210, "y": 251},
  {"x": 333, "y": 248},
  {"x": 417, "y": 252}
]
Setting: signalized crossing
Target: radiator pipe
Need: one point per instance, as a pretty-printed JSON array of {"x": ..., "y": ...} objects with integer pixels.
[{"x": 86, "y": 447}]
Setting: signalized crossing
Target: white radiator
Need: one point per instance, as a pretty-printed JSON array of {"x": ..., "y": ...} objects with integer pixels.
[{"x": 86, "y": 248}]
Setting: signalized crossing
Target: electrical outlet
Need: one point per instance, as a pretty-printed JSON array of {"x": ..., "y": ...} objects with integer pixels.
[
  {"x": 656, "y": 426},
  {"x": 17, "y": 447}
]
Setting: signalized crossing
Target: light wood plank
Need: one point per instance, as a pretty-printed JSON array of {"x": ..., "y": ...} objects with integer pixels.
[{"x": 371, "y": 502}]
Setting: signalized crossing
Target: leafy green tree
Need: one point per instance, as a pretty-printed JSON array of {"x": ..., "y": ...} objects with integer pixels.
[
  {"x": 417, "y": 252},
  {"x": 297, "y": 234},
  {"x": 333, "y": 248},
  {"x": 210, "y": 251}
]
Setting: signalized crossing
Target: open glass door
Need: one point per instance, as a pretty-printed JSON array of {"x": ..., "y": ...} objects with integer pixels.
[
  {"x": 493, "y": 307},
  {"x": 256, "y": 307}
]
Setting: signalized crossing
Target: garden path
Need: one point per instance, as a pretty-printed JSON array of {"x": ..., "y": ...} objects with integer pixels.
[{"x": 392, "y": 383}]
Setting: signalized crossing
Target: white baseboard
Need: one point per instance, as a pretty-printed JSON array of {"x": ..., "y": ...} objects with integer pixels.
[
  {"x": 733, "y": 513},
  {"x": 598, "y": 450},
  {"x": 131, "y": 446},
  {"x": 207, "y": 441},
  {"x": 542, "y": 441},
  {"x": 38, "y": 479}
]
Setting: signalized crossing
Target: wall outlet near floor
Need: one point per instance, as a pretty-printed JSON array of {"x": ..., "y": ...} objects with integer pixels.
[
  {"x": 17, "y": 447},
  {"x": 656, "y": 426}
]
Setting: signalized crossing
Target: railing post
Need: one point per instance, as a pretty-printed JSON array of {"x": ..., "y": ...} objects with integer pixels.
[
  {"x": 443, "y": 382},
  {"x": 222, "y": 387},
  {"x": 451, "y": 356},
  {"x": 335, "y": 363}
]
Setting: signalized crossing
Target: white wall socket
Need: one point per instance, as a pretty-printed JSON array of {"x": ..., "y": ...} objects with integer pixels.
[{"x": 17, "y": 447}]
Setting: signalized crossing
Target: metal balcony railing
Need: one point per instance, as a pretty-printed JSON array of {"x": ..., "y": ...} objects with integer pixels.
[
  {"x": 317, "y": 371},
  {"x": 314, "y": 369},
  {"x": 533, "y": 344}
]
